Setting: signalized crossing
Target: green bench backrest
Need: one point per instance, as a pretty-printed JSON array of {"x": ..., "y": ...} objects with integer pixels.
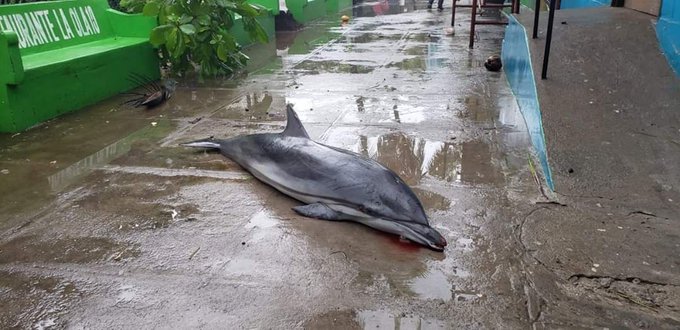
[{"x": 44, "y": 26}]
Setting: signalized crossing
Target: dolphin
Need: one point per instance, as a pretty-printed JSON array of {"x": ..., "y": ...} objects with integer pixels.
[{"x": 334, "y": 184}]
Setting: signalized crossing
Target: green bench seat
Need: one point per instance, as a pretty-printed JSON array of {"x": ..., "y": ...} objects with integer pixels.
[
  {"x": 44, "y": 73},
  {"x": 57, "y": 57}
]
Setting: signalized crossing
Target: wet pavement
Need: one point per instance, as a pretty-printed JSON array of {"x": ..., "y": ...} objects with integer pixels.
[
  {"x": 108, "y": 223},
  {"x": 619, "y": 256}
]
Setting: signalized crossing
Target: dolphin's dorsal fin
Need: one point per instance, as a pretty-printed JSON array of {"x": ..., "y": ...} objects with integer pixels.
[{"x": 294, "y": 126}]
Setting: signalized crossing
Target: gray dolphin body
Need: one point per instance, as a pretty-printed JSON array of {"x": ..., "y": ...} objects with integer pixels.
[{"x": 335, "y": 184}]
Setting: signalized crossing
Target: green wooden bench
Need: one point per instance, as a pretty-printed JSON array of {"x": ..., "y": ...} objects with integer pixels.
[
  {"x": 59, "y": 56},
  {"x": 306, "y": 10}
]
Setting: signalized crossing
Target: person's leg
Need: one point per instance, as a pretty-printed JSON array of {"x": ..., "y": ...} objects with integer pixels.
[
  {"x": 440, "y": 4},
  {"x": 429, "y": 4}
]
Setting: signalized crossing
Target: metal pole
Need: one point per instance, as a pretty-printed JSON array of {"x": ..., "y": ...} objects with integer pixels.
[
  {"x": 537, "y": 10},
  {"x": 453, "y": 13},
  {"x": 472, "y": 23},
  {"x": 548, "y": 38}
]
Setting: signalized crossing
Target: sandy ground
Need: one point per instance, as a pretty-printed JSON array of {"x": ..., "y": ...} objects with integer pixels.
[{"x": 108, "y": 223}]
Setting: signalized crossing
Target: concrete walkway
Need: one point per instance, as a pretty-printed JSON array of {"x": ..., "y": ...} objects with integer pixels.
[
  {"x": 107, "y": 223},
  {"x": 612, "y": 125}
]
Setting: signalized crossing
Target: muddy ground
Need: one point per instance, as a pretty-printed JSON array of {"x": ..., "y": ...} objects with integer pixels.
[{"x": 108, "y": 223}]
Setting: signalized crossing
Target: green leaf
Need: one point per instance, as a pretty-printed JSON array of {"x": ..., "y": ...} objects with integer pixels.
[
  {"x": 151, "y": 8},
  {"x": 245, "y": 9},
  {"x": 194, "y": 34},
  {"x": 179, "y": 49},
  {"x": 204, "y": 20},
  {"x": 185, "y": 19},
  {"x": 171, "y": 41},
  {"x": 222, "y": 53},
  {"x": 255, "y": 29},
  {"x": 202, "y": 37},
  {"x": 163, "y": 15},
  {"x": 225, "y": 3},
  {"x": 157, "y": 36},
  {"x": 188, "y": 28},
  {"x": 229, "y": 42}
]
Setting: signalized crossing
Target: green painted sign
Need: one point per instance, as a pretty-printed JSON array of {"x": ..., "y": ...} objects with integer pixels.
[
  {"x": 59, "y": 56},
  {"x": 44, "y": 26}
]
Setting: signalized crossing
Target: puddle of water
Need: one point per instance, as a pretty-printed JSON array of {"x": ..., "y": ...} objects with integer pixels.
[
  {"x": 260, "y": 106},
  {"x": 414, "y": 158},
  {"x": 362, "y": 38},
  {"x": 428, "y": 57},
  {"x": 306, "y": 40},
  {"x": 263, "y": 220},
  {"x": 382, "y": 319},
  {"x": 476, "y": 164},
  {"x": 35, "y": 301},
  {"x": 242, "y": 266},
  {"x": 341, "y": 319},
  {"x": 383, "y": 7},
  {"x": 432, "y": 200},
  {"x": 79, "y": 169},
  {"x": 64, "y": 250},
  {"x": 316, "y": 67},
  {"x": 136, "y": 201},
  {"x": 477, "y": 109},
  {"x": 432, "y": 285},
  {"x": 411, "y": 158},
  {"x": 45, "y": 160}
]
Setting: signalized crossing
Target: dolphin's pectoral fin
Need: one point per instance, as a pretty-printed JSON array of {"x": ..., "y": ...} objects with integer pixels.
[{"x": 317, "y": 210}]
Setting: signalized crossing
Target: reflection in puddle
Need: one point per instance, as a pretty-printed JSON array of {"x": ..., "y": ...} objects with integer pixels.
[
  {"x": 432, "y": 200},
  {"x": 382, "y": 319},
  {"x": 79, "y": 169},
  {"x": 332, "y": 67},
  {"x": 476, "y": 163},
  {"x": 432, "y": 285},
  {"x": 476, "y": 109},
  {"x": 306, "y": 40},
  {"x": 63, "y": 178},
  {"x": 413, "y": 158},
  {"x": 383, "y": 7},
  {"x": 256, "y": 105}
]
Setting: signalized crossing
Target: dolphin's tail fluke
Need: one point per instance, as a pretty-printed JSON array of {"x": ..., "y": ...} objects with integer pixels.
[{"x": 209, "y": 143}]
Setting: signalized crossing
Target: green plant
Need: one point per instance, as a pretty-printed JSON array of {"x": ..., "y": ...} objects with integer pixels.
[{"x": 194, "y": 35}]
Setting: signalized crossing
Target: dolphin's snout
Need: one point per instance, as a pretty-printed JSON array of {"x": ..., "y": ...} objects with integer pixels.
[
  {"x": 427, "y": 236},
  {"x": 440, "y": 242}
]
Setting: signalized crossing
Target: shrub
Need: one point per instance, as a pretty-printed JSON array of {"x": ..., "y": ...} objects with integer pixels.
[{"x": 194, "y": 35}]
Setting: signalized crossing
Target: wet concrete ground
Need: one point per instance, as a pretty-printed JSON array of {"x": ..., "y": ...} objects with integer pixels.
[
  {"x": 620, "y": 247},
  {"x": 108, "y": 223}
]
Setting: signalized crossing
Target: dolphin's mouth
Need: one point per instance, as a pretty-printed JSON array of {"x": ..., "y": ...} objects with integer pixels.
[
  {"x": 424, "y": 235},
  {"x": 439, "y": 246}
]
